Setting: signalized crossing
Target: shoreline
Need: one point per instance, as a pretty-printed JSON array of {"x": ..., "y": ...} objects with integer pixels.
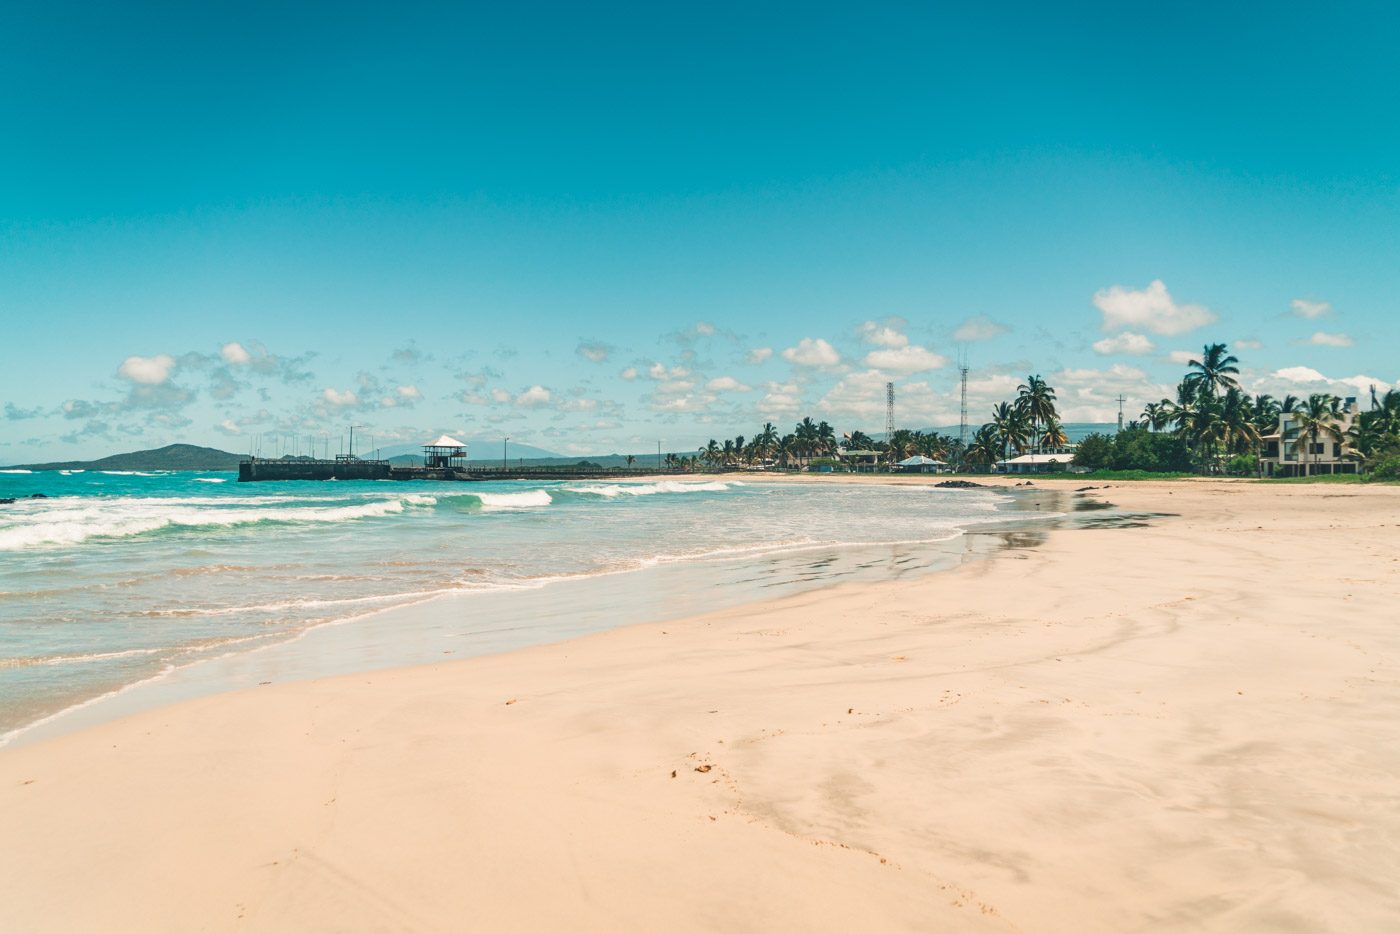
[
  {"x": 335, "y": 641},
  {"x": 1184, "y": 726}
]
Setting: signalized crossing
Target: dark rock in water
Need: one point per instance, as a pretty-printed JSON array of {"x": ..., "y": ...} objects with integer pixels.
[
  {"x": 961, "y": 485},
  {"x": 38, "y": 496},
  {"x": 7, "y": 501}
]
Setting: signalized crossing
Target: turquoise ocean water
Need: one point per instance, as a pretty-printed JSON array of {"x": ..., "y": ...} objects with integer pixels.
[{"x": 116, "y": 578}]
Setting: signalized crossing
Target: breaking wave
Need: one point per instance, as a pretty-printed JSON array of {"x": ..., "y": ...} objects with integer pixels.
[
  {"x": 611, "y": 490},
  {"x": 74, "y": 521}
]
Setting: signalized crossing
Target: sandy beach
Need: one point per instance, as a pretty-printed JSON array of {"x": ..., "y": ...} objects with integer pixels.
[{"x": 1193, "y": 725}]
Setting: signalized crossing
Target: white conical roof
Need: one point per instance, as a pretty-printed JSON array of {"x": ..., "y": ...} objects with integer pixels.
[{"x": 445, "y": 441}]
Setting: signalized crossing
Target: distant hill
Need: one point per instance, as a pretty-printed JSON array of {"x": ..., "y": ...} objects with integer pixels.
[
  {"x": 479, "y": 447},
  {"x": 170, "y": 457}
]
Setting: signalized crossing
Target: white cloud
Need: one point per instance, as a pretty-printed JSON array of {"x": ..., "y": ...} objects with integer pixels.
[
  {"x": 1182, "y": 357},
  {"x": 758, "y": 355},
  {"x": 500, "y": 395},
  {"x": 780, "y": 399},
  {"x": 1303, "y": 308},
  {"x": 337, "y": 398},
  {"x": 1324, "y": 339},
  {"x": 629, "y": 374},
  {"x": 979, "y": 328},
  {"x": 147, "y": 371},
  {"x": 233, "y": 353},
  {"x": 1151, "y": 308},
  {"x": 1303, "y": 380},
  {"x": 860, "y": 398},
  {"x": 1300, "y": 374},
  {"x": 660, "y": 373},
  {"x": 884, "y": 335},
  {"x": 1090, "y": 395},
  {"x": 534, "y": 397},
  {"x": 812, "y": 351},
  {"x": 912, "y": 359},
  {"x": 228, "y": 427},
  {"x": 1126, "y": 342},
  {"x": 1249, "y": 345},
  {"x": 578, "y": 405},
  {"x": 726, "y": 384},
  {"x": 594, "y": 351},
  {"x": 704, "y": 329},
  {"x": 409, "y": 392}
]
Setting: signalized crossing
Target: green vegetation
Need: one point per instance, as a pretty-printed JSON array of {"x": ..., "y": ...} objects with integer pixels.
[
  {"x": 1108, "y": 474},
  {"x": 810, "y": 440}
]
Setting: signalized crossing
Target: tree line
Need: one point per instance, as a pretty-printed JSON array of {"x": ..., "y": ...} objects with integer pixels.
[{"x": 1211, "y": 426}]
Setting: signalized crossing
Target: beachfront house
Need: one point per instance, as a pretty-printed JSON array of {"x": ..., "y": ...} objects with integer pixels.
[
  {"x": 1284, "y": 453},
  {"x": 858, "y": 461},
  {"x": 445, "y": 453},
  {"x": 920, "y": 464},
  {"x": 1036, "y": 463}
]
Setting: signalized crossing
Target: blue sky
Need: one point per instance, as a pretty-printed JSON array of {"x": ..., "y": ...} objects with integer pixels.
[{"x": 596, "y": 226}]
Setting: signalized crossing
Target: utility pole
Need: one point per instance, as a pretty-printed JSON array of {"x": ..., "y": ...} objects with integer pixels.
[
  {"x": 962, "y": 421},
  {"x": 658, "y": 456},
  {"x": 1121, "y": 400},
  {"x": 889, "y": 412},
  {"x": 504, "y": 441}
]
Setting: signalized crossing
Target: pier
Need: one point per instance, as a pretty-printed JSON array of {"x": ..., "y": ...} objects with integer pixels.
[
  {"x": 254, "y": 469},
  {"x": 443, "y": 459},
  {"x": 342, "y": 468}
]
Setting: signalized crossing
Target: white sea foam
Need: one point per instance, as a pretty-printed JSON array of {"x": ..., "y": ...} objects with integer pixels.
[
  {"x": 211, "y": 479},
  {"x": 69, "y": 473},
  {"x": 648, "y": 489},
  {"x": 74, "y": 519},
  {"x": 21, "y": 470},
  {"x": 526, "y": 500}
]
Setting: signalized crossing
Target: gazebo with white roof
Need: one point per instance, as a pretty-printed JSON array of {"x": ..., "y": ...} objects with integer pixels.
[{"x": 445, "y": 452}]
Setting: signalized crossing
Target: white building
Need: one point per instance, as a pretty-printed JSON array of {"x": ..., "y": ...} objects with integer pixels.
[
  {"x": 1037, "y": 463},
  {"x": 1285, "y": 454}
]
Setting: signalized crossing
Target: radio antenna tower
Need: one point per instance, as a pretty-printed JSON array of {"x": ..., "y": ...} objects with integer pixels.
[
  {"x": 962, "y": 421},
  {"x": 889, "y": 411}
]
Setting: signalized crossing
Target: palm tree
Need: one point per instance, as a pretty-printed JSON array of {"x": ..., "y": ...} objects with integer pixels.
[
  {"x": 1053, "y": 435},
  {"x": 767, "y": 440},
  {"x": 1316, "y": 418},
  {"x": 631, "y": 459},
  {"x": 859, "y": 441},
  {"x": 1215, "y": 371},
  {"x": 1236, "y": 415},
  {"x": 982, "y": 449},
  {"x": 1157, "y": 414},
  {"x": 806, "y": 436},
  {"x": 1036, "y": 399},
  {"x": 1012, "y": 427}
]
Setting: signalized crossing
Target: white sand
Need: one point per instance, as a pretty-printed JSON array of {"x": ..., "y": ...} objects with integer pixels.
[{"x": 1184, "y": 727}]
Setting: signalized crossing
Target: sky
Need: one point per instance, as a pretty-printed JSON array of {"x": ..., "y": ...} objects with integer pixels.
[{"x": 596, "y": 227}]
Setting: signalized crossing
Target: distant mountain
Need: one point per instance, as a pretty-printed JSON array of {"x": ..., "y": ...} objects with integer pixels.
[
  {"x": 479, "y": 447},
  {"x": 170, "y": 457}
]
